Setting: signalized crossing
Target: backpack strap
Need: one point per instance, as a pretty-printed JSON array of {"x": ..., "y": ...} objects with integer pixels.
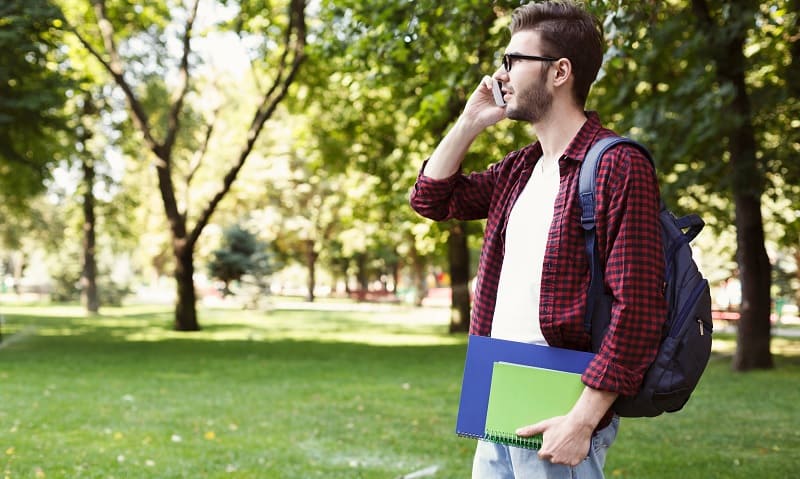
[{"x": 587, "y": 191}]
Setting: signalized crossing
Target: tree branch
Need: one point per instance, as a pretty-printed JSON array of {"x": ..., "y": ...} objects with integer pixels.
[
  {"x": 115, "y": 68},
  {"x": 295, "y": 44},
  {"x": 173, "y": 120},
  {"x": 199, "y": 156}
]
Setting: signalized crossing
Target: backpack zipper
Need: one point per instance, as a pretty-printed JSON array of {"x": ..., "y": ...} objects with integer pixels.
[{"x": 684, "y": 313}]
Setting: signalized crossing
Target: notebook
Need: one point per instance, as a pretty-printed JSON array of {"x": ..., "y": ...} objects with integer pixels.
[
  {"x": 522, "y": 395},
  {"x": 482, "y": 353}
]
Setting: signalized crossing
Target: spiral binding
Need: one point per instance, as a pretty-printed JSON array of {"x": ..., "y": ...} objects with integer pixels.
[{"x": 533, "y": 442}]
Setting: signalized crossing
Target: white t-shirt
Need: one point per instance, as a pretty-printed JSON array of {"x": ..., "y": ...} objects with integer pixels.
[{"x": 516, "y": 314}]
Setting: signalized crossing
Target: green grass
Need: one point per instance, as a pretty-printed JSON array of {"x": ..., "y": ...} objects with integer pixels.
[{"x": 304, "y": 394}]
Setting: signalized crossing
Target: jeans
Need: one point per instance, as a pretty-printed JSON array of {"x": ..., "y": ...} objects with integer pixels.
[{"x": 497, "y": 461}]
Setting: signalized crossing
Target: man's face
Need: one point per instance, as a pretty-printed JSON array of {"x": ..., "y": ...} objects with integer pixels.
[{"x": 531, "y": 98}]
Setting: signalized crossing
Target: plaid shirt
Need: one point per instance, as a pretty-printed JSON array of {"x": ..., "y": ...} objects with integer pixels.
[{"x": 629, "y": 241}]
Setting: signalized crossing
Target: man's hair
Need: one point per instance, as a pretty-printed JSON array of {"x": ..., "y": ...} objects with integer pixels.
[{"x": 567, "y": 31}]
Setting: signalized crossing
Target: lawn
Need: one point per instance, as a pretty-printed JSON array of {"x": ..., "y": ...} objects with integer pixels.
[{"x": 333, "y": 394}]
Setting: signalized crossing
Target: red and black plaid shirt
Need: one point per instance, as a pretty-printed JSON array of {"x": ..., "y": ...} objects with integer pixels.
[{"x": 629, "y": 241}]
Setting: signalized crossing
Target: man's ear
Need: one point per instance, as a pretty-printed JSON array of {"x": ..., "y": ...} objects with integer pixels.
[{"x": 563, "y": 71}]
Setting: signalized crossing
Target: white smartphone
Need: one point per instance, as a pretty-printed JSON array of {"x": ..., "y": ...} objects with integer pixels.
[{"x": 498, "y": 93}]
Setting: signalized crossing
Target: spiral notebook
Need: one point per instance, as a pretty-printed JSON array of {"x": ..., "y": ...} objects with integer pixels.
[
  {"x": 523, "y": 395},
  {"x": 482, "y": 354}
]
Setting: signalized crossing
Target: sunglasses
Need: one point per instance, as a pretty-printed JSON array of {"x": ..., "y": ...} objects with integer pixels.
[{"x": 508, "y": 59}]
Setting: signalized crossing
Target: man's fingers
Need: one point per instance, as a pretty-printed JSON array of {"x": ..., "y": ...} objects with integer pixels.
[{"x": 534, "y": 429}]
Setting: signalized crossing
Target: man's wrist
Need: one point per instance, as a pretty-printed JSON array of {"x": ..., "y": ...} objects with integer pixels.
[
  {"x": 585, "y": 422},
  {"x": 467, "y": 129},
  {"x": 591, "y": 408}
]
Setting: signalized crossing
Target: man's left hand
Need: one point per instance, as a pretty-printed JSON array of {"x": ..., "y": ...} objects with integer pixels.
[{"x": 564, "y": 440}]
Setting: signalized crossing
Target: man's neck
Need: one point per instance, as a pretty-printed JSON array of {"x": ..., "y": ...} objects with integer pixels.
[{"x": 556, "y": 131}]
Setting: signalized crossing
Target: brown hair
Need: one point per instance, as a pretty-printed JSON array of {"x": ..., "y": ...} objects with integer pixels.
[{"x": 567, "y": 31}]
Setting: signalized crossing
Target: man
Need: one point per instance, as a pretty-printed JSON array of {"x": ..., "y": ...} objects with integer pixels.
[{"x": 533, "y": 271}]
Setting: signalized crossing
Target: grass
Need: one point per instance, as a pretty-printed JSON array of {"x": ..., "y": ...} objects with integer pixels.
[{"x": 334, "y": 394}]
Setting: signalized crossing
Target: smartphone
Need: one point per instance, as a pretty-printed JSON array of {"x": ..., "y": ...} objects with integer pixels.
[{"x": 498, "y": 93}]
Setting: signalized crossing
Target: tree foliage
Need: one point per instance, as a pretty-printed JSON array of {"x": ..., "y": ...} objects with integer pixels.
[
  {"x": 33, "y": 86},
  {"x": 240, "y": 254},
  {"x": 399, "y": 74}
]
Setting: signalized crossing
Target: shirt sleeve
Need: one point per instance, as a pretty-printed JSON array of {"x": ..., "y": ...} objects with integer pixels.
[
  {"x": 630, "y": 243},
  {"x": 461, "y": 197}
]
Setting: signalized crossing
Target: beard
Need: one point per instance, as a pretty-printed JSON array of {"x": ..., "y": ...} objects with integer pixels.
[{"x": 532, "y": 104}]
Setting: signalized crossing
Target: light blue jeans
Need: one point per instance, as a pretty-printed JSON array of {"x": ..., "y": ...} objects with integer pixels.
[{"x": 497, "y": 461}]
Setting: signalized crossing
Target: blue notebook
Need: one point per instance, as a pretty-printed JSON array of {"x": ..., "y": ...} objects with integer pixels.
[{"x": 482, "y": 353}]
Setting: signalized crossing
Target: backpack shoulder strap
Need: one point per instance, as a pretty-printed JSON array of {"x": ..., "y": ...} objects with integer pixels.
[
  {"x": 587, "y": 192},
  {"x": 588, "y": 175}
]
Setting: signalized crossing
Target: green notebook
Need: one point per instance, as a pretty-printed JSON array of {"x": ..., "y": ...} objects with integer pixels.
[{"x": 523, "y": 395}]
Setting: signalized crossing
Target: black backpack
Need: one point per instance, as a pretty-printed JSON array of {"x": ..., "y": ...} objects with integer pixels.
[{"x": 686, "y": 340}]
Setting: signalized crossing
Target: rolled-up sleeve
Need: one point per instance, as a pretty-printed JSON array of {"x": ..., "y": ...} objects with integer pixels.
[{"x": 462, "y": 197}]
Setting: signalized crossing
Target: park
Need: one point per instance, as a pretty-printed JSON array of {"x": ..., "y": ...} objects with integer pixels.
[{"x": 209, "y": 267}]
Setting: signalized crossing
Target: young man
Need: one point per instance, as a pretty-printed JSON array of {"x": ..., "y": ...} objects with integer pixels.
[{"x": 533, "y": 271}]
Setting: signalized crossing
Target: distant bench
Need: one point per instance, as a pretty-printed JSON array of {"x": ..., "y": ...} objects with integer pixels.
[
  {"x": 732, "y": 317},
  {"x": 727, "y": 316},
  {"x": 375, "y": 296}
]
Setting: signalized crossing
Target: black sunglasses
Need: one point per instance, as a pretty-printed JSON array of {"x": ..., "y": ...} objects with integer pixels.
[{"x": 509, "y": 57}]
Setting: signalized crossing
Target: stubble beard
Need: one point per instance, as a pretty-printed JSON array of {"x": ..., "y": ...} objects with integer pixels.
[{"x": 532, "y": 104}]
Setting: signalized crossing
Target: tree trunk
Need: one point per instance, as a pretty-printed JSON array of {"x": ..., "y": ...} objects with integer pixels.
[
  {"x": 458, "y": 251},
  {"x": 754, "y": 331},
  {"x": 186, "y": 303},
  {"x": 311, "y": 265},
  {"x": 418, "y": 275},
  {"x": 18, "y": 264},
  {"x": 361, "y": 276},
  {"x": 753, "y": 337},
  {"x": 89, "y": 275},
  {"x": 395, "y": 270}
]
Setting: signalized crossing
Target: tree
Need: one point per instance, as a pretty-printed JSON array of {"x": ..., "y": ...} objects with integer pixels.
[
  {"x": 43, "y": 99},
  {"x": 121, "y": 34},
  {"x": 715, "y": 117},
  {"x": 241, "y": 254},
  {"x": 89, "y": 273},
  {"x": 32, "y": 93},
  {"x": 728, "y": 34}
]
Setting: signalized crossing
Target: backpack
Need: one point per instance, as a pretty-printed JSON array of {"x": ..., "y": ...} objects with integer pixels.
[{"x": 686, "y": 336}]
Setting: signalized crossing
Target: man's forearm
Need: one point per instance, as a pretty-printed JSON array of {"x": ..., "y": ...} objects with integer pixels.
[{"x": 447, "y": 157}]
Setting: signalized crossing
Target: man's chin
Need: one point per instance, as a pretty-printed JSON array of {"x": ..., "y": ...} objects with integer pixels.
[{"x": 514, "y": 113}]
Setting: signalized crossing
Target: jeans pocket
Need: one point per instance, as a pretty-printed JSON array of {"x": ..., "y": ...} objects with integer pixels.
[{"x": 605, "y": 437}]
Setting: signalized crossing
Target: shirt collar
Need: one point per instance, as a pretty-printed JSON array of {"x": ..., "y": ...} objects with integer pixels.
[
  {"x": 585, "y": 137},
  {"x": 577, "y": 148}
]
